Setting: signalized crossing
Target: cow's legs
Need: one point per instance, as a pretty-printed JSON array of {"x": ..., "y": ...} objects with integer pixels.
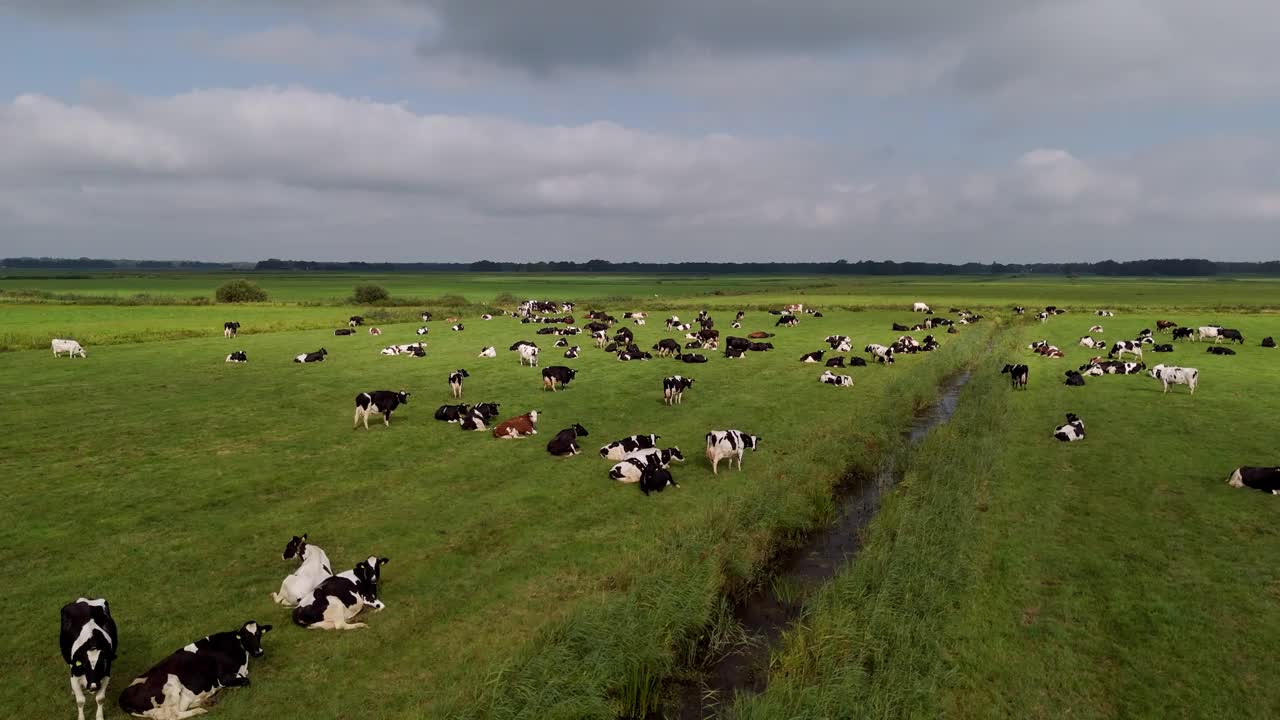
[
  {"x": 715, "y": 464},
  {"x": 75, "y": 690},
  {"x": 101, "y": 695},
  {"x": 355, "y": 419}
]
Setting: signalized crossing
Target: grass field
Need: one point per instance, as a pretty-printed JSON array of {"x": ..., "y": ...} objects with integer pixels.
[{"x": 1009, "y": 576}]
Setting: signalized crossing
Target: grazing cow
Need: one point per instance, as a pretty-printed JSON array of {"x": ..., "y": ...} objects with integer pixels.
[
  {"x": 619, "y": 449},
  {"x": 734, "y": 353},
  {"x": 1166, "y": 347},
  {"x": 1184, "y": 333},
  {"x": 184, "y": 684},
  {"x": 518, "y": 427},
  {"x": 455, "y": 382},
  {"x": 1230, "y": 334},
  {"x": 1074, "y": 378},
  {"x": 1171, "y": 375},
  {"x": 830, "y": 378},
  {"x": 238, "y": 356},
  {"x": 1268, "y": 342},
  {"x": 693, "y": 358},
  {"x": 89, "y": 643},
  {"x": 1123, "y": 347},
  {"x": 339, "y": 599},
  {"x": 355, "y": 320},
  {"x": 728, "y": 444},
  {"x": 557, "y": 375},
  {"x": 529, "y": 355},
  {"x": 381, "y": 401},
  {"x": 1104, "y": 313},
  {"x": 1018, "y": 375},
  {"x": 486, "y": 316},
  {"x": 317, "y": 356},
  {"x": 566, "y": 441},
  {"x": 787, "y": 320},
  {"x": 313, "y": 569},
  {"x": 1072, "y": 431},
  {"x": 673, "y": 389},
  {"x": 70, "y": 347},
  {"x": 1092, "y": 344},
  {"x": 667, "y": 346},
  {"x": 921, "y": 307},
  {"x": 881, "y": 353},
  {"x": 835, "y": 362},
  {"x": 1163, "y": 325},
  {"x": 656, "y": 479},
  {"x": 452, "y": 413},
  {"x": 375, "y": 331},
  {"x": 1266, "y": 479},
  {"x": 457, "y": 327},
  {"x": 1095, "y": 329},
  {"x": 342, "y": 332},
  {"x": 229, "y": 329},
  {"x": 572, "y": 352},
  {"x": 1215, "y": 350},
  {"x": 631, "y": 468},
  {"x": 1208, "y": 331},
  {"x": 489, "y": 352}
]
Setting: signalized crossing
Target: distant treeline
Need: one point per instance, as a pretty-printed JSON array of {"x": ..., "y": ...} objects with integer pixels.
[{"x": 1129, "y": 268}]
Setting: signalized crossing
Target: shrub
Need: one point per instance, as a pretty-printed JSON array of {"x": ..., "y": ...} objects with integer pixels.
[
  {"x": 371, "y": 294},
  {"x": 237, "y": 291},
  {"x": 505, "y": 298}
]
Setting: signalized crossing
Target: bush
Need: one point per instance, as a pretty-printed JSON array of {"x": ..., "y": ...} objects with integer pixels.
[
  {"x": 506, "y": 298},
  {"x": 237, "y": 291},
  {"x": 371, "y": 294}
]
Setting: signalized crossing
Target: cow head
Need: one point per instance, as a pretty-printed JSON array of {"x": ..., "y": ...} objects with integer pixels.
[
  {"x": 751, "y": 441},
  {"x": 578, "y": 430},
  {"x": 489, "y": 410},
  {"x": 250, "y": 637},
  {"x": 462, "y": 372},
  {"x": 533, "y": 416},
  {"x": 403, "y": 397},
  {"x": 367, "y": 573},
  {"x": 92, "y": 660},
  {"x": 295, "y": 547},
  {"x": 672, "y": 454}
]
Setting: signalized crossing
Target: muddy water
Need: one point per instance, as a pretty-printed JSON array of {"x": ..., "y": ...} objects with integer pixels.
[{"x": 769, "y": 611}]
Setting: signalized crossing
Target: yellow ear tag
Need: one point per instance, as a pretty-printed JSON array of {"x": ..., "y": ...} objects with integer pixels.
[
  {"x": 77, "y": 663},
  {"x": 237, "y": 636}
]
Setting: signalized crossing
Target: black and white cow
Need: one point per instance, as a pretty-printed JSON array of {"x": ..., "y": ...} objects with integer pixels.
[
  {"x": 619, "y": 449},
  {"x": 341, "y": 332},
  {"x": 560, "y": 343},
  {"x": 572, "y": 352},
  {"x": 1266, "y": 479},
  {"x": 1184, "y": 333},
  {"x": 673, "y": 388},
  {"x": 1092, "y": 344},
  {"x": 479, "y": 416},
  {"x": 566, "y": 441},
  {"x": 1074, "y": 378},
  {"x": 830, "y": 378},
  {"x": 457, "y": 328},
  {"x": 452, "y": 413},
  {"x": 1231, "y": 334},
  {"x": 1072, "y": 431},
  {"x": 230, "y": 329},
  {"x": 728, "y": 444},
  {"x": 813, "y": 357},
  {"x": 693, "y": 358},
  {"x": 1104, "y": 313},
  {"x": 1019, "y": 309},
  {"x": 317, "y": 356},
  {"x": 656, "y": 479},
  {"x": 355, "y": 320},
  {"x": 735, "y": 353},
  {"x": 1205, "y": 332},
  {"x": 839, "y": 343},
  {"x": 1123, "y": 347},
  {"x": 557, "y": 375},
  {"x": 881, "y": 353},
  {"x": 455, "y": 382},
  {"x": 486, "y": 316},
  {"x": 238, "y": 356},
  {"x": 667, "y": 346},
  {"x": 339, "y": 599},
  {"x": 1162, "y": 348},
  {"x": 1268, "y": 342},
  {"x": 1018, "y": 375},
  {"x": 423, "y": 330},
  {"x": 89, "y": 644},
  {"x": 313, "y": 569},
  {"x": 1170, "y": 375},
  {"x": 383, "y": 402},
  {"x": 183, "y": 684},
  {"x": 488, "y": 352},
  {"x": 426, "y": 316},
  {"x": 631, "y": 468},
  {"x": 1042, "y": 316},
  {"x": 528, "y": 355},
  {"x": 787, "y": 320},
  {"x": 1220, "y": 351}
]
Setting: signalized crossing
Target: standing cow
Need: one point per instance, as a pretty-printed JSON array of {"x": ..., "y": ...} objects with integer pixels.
[
  {"x": 89, "y": 644},
  {"x": 730, "y": 444}
]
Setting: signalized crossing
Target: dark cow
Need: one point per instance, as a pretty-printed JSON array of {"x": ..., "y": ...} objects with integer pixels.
[
  {"x": 355, "y": 320},
  {"x": 857, "y": 362},
  {"x": 344, "y": 331},
  {"x": 952, "y": 330},
  {"x": 1216, "y": 350},
  {"x": 561, "y": 343},
  {"x": 379, "y": 401},
  {"x": 618, "y": 449},
  {"x": 1074, "y": 378},
  {"x": 452, "y": 413},
  {"x": 787, "y": 320},
  {"x": 691, "y": 345},
  {"x": 624, "y": 336},
  {"x": 735, "y": 353},
  {"x": 597, "y": 327},
  {"x": 521, "y": 343},
  {"x": 673, "y": 388},
  {"x": 566, "y": 441},
  {"x": 611, "y": 347},
  {"x": 1231, "y": 334},
  {"x": 572, "y": 352},
  {"x": 340, "y": 598},
  {"x": 898, "y": 327},
  {"x": 1184, "y": 333},
  {"x": 760, "y": 347},
  {"x": 1266, "y": 479},
  {"x": 229, "y": 329},
  {"x": 1018, "y": 375},
  {"x": 1163, "y": 325},
  {"x": 759, "y": 335},
  {"x": 546, "y": 331},
  {"x": 1268, "y": 342},
  {"x": 812, "y": 357},
  {"x": 238, "y": 356},
  {"x": 557, "y": 375},
  {"x": 1072, "y": 431},
  {"x": 479, "y": 416},
  {"x": 317, "y": 356},
  {"x": 655, "y": 479},
  {"x": 693, "y": 358},
  {"x": 89, "y": 644},
  {"x": 1166, "y": 347},
  {"x": 455, "y": 382},
  {"x": 836, "y": 362},
  {"x": 183, "y": 684},
  {"x": 736, "y": 343},
  {"x": 667, "y": 346}
]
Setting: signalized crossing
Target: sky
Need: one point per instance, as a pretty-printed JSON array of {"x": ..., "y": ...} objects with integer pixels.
[{"x": 664, "y": 130}]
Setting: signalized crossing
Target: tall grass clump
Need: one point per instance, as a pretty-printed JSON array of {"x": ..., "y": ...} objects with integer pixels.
[
  {"x": 239, "y": 291},
  {"x": 370, "y": 295}
]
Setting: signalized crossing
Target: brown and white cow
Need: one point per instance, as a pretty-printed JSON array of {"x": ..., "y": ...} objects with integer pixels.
[{"x": 518, "y": 427}]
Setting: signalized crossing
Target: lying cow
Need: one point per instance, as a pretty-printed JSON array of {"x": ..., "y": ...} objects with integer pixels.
[
  {"x": 317, "y": 356},
  {"x": 656, "y": 479},
  {"x": 830, "y": 378},
  {"x": 519, "y": 427},
  {"x": 673, "y": 389},
  {"x": 230, "y": 329},
  {"x": 1018, "y": 375},
  {"x": 339, "y": 599},
  {"x": 423, "y": 330},
  {"x": 835, "y": 362},
  {"x": 839, "y": 343},
  {"x": 813, "y": 357},
  {"x": 1170, "y": 375},
  {"x": 1072, "y": 431},
  {"x": 70, "y": 347},
  {"x": 1220, "y": 351},
  {"x": 1162, "y": 348},
  {"x": 457, "y": 328},
  {"x": 479, "y": 416},
  {"x": 1092, "y": 344},
  {"x": 89, "y": 644},
  {"x": 455, "y": 382},
  {"x": 1268, "y": 342},
  {"x": 1266, "y": 479},
  {"x": 313, "y": 569},
  {"x": 486, "y": 316},
  {"x": 238, "y": 356},
  {"x": 728, "y": 444},
  {"x": 184, "y": 684},
  {"x": 375, "y": 331},
  {"x": 452, "y": 413},
  {"x": 557, "y": 375},
  {"x": 631, "y": 468},
  {"x": 489, "y": 351},
  {"x": 341, "y": 332},
  {"x": 572, "y": 352},
  {"x": 1103, "y": 313},
  {"x": 618, "y": 449},
  {"x": 383, "y": 402},
  {"x": 1074, "y": 378},
  {"x": 1095, "y": 329},
  {"x": 693, "y": 358},
  {"x": 566, "y": 441}
]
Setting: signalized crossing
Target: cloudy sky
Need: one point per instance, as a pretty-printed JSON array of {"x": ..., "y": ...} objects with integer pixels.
[{"x": 456, "y": 130}]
